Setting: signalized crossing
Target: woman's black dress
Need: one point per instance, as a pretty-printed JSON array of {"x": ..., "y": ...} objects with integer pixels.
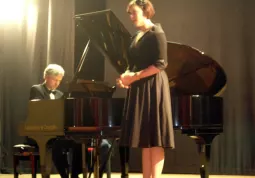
[{"x": 147, "y": 118}]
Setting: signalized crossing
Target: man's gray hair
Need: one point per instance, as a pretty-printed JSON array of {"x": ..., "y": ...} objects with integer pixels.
[{"x": 53, "y": 69}]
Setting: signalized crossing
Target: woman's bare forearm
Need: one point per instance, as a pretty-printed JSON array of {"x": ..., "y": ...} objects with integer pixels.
[{"x": 151, "y": 70}]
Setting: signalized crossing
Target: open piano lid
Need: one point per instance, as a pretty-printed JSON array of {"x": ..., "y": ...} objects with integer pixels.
[
  {"x": 192, "y": 72},
  {"x": 108, "y": 35}
]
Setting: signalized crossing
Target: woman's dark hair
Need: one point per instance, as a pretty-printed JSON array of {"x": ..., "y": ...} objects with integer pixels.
[{"x": 145, "y": 5}]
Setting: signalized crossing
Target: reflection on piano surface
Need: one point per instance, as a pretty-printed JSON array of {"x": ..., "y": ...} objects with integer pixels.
[{"x": 90, "y": 112}]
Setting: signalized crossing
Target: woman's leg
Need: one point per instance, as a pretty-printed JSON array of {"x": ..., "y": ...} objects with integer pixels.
[
  {"x": 146, "y": 162},
  {"x": 157, "y": 161}
]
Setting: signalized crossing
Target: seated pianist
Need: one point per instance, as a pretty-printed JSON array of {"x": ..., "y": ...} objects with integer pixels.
[{"x": 53, "y": 75}]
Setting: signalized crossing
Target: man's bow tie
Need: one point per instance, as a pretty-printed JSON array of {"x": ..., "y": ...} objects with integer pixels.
[{"x": 52, "y": 91}]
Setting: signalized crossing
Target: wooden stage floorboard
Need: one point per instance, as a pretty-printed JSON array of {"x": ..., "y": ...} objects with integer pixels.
[{"x": 137, "y": 175}]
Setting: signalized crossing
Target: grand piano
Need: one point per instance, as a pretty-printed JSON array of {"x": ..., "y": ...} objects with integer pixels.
[
  {"x": 196, "y": 84},
  {"x": 89, "y": 111}
]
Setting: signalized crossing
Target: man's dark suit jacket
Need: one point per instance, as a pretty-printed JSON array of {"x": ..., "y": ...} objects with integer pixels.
[{"x": 41, "y": 92}]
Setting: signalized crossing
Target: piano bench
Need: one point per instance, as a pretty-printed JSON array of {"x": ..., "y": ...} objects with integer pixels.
[{"x": 25, "y": 153}]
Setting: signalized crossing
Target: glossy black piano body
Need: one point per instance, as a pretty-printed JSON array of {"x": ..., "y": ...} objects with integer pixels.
[
  {"x": 196, "y": 82},
  {"x": 93, "y": 117},
  {"x": 197, "y": 112},
  {"x": 93, "y": 111}
]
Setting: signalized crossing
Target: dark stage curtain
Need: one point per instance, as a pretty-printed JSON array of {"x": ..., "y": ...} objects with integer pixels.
[
  {"x": 234, "y": 150},
  {"x": 38, "y": 33}
]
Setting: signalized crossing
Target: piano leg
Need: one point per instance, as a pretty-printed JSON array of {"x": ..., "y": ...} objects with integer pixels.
[
  {"x": 84, "y": 165},
  {"x": 204, "y": 149},
  {"x": 95, "y": 163},
  {"x": 204, "y": 154},
  {"x": 96, "y": 157},
  {"x": 44, "y": 155}
]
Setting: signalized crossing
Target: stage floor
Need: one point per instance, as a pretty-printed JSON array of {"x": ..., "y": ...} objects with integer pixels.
[{"x": 132, "y": 175}]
